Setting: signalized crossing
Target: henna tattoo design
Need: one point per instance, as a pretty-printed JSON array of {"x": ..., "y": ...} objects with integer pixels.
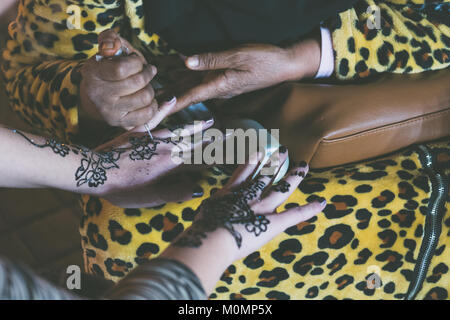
[
  {"x": 57, "y": 147},
  {"x": 226, "y": 212},
  {"x": 282, "y": 186},
  {"x": 301, "y": 174},
  {"x": 145, "y": 148},
  {"x": 94, "y": 166},
  {"x": 282, "y": 149}
]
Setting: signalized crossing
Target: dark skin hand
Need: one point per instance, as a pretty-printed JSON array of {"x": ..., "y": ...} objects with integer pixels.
[
  {"x": 117, "y": 89},
  {"x": 248, "y": 68}
]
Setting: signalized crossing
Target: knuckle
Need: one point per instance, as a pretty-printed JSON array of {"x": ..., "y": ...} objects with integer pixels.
[
  {"x": 223, "y": 84},
  {"x": 146, "y": 97},
  {"x": 152, "y": 70},
  {"x": 119, "y": 70},
  {"x": 153, "y": 109},
  {"x": 122, "y": 122},
  {"x": 138, "y": 80},
  {"x": 210, "y": 60},
  {"x": 112, "y": 121}
]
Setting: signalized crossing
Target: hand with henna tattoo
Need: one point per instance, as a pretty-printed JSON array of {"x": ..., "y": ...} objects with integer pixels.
[
  {"x": 239, "y": 219},
  {"x": 132, "y": 170}
]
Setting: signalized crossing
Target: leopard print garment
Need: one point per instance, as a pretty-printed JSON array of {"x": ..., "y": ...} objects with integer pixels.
[{"x": 376, "y": 222}]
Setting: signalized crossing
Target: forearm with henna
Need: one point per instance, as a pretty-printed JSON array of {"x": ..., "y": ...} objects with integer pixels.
[{"x": 75, "y": 168}]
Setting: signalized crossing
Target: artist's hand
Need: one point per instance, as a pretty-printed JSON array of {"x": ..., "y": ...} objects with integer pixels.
[
  {"x": 117, "y": 90},
  {"x": 249, "y": 68}
]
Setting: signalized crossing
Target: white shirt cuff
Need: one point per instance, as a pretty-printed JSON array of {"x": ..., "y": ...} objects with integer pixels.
[{"x": 326, "y": 68}]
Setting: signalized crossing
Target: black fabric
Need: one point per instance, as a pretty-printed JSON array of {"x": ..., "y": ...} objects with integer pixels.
[{"x": 192, "y": 26}]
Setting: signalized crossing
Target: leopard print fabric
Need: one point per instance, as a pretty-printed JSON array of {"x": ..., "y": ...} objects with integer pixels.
[
  {"x": 374, "y": 223},
  {"x": 43, "y": 56}
]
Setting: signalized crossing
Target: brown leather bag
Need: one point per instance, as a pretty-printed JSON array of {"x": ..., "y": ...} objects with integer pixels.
[{"x": 330, "y": 125}]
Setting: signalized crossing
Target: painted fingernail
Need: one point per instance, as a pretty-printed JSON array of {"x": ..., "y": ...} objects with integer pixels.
[
  {"x": 171, "y": 101},
  {"x": 302, "y": 164},
  {"x": 198, "y": 192},
  {"x": 282, "y": 149},
  {"x": 193, "y": 62}
]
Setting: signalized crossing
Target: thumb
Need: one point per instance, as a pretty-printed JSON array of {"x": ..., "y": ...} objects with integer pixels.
[
  {"x": 108, "y": 43},
  {"x": 209, "y": 61}
]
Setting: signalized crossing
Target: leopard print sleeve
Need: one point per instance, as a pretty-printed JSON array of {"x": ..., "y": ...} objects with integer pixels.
[
  {"x": 412, "y": 36},
  {"x": 49, "y": 40}
]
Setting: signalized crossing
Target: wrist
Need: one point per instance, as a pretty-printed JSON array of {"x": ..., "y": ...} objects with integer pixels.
[
  {"x": 304, "y": 58},
  {"x": 209, "y": 260}
]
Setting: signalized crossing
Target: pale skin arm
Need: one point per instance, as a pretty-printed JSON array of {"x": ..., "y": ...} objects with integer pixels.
[
  {"x": 29, "y": 161},
  {"x": 128, "y": 171},
  {"x": 25, "y": 166}
]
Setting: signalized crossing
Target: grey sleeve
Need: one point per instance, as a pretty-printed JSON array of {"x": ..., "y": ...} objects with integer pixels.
[
  {"x": 159, "y": 279},
  {"x": 17, "y": 282}
]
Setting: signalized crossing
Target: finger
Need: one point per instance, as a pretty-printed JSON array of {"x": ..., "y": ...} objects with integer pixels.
[
  {"x": 153, "y": 195},
  {"x": 119, "y": 68},
  {"x": 164, "y": 111},
  {"x": 280, "y": 192},
  {"x": 108, "y": 43},
  {"x": 131, "y": 49},
  {"x": 138, "y": 117},
  {"x": 186, "y": 130},
  {"x": 244, "y": 172},
  {"x": 275, "y": 163},
  {"x": 135, "y": 101},
  {"x": 134, "y": 83},
  {"x": 211, "y": 61},
  {"x": 255, "y": 188},
  {"x": 279, "y": 222},
  {"x": 200, "y": 93}
]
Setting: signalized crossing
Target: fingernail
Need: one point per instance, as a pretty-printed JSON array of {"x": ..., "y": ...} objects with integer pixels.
[
  {"x": 322, "y": 201},
  {"x": 198, "y": 192},
  {"x": 107, "y": 44},
  {"x": 171, "y": 101},
  {"x": 154, "y": 70},
  {"x": 282, "y": 149},
  {"x": 303, "y": 164},
  {"x": 193, "y": 62}
]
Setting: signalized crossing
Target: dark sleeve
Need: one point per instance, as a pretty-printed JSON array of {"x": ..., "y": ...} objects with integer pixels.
[
  {"x": 159, "y": 279},
  {"x": 17, "y": 282},
  {"x": 193, "y": 26}
]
